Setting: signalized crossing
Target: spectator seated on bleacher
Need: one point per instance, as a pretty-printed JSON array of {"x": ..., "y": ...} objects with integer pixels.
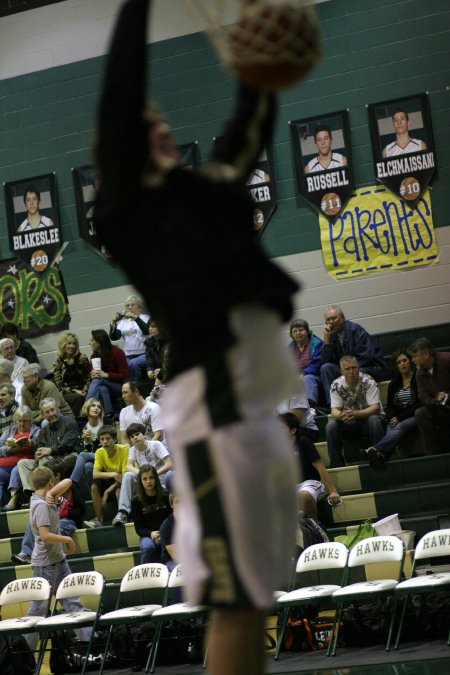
[
  {"x": 22, "y": 347},
  {"x": 139, "y": 411},
  {"x": 307, "y": 349},
  {"x": 132, "y": 326},
  {"x": 149, "y": 508},
  {"x": 8, "y": 352},
  {"x": 154, "y": 352},
  {"x": 402, "y": 403},
  {"x": 72, "y": 371},
  {"x": 106, "y": 380},
  {"x": 110, "y": 465},
  {"x": 35, "y": 390},
  {"x": 92, "y": 411},
  {"x": 342, "y": 337},
  {"x": 18, "y": 441},
  {"x": 316, "y": 481},
  {"x": 299, "y": 406},
  {"x": 356, "y": 410},
  {"x": 6, "y": 371},
  {"x": 169, "y": 554},
  {"x": 142, "y": 451},
  {"x": 58, "y": 438},
  {"x": 8, "y": 405},
  {"x": 433, "y": 384}
]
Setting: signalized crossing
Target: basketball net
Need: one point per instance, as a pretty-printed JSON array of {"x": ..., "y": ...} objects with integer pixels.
[{"x": 272, "y": 41}]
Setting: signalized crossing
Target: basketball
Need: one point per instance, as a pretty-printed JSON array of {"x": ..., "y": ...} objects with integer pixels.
[
  {"x": 331, "y": 204},
  {"x": 274, "y": 45},
  {"x": 409, "y": 188}
]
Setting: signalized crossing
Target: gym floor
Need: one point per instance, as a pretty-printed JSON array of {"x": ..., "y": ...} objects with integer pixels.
[{"x": 431, "y": 658}]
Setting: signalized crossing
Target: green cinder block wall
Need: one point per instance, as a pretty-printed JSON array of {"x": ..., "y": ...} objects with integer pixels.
[{"x": 374, "y": 50}]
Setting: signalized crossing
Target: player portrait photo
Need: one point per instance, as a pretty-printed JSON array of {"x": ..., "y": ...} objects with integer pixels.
[
  {"x": 402, "y": 145},
  {"x": 33, "y": 220},
  {"x": 86, "y": 184},
  {"x": 322, "y": 155}
]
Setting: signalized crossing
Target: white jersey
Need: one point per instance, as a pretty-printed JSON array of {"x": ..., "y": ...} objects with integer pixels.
[
  {"x": 19, "y": 364},
  {"x": 149, "y": 416},
  {"x": 154, "y": 454},
  {"x": 392, "y": 150},
  {"x": 44, "y": 222},
  {"x": 133, "y": 337},
  {"x": 336, "y": 162}
]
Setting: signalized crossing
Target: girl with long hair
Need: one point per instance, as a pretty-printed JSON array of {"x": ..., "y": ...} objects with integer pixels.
[{"x": 149, "y": 507}]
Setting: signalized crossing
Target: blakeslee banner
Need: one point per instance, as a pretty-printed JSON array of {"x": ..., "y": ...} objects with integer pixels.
[
  {"x": 33, "y": 221},
  {"x": 378, "y": 231},
  {"x": 37, "y": 303}
]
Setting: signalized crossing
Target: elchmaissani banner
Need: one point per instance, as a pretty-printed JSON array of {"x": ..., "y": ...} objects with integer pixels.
[
  {"x": 403, "y": 146},
  {"x": 376, "y": 232}
]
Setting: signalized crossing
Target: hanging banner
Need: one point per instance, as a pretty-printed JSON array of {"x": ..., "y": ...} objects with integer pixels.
[
  {"x": 377, "y": 232},
  {"x": 323, "y": 164},
  {"x": 37, "y": 303},
  {"x": 33, "y": 221},
  {"x": 402, "y": 145},
  {"x": 263, "y": 190},
  {"x": 86, "y": 182}
]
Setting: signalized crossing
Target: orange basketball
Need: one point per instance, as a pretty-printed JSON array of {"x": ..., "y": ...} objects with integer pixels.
[
  {"x": 410, "y": 188},
  {"x": 274, "y": 46},
  {"x": 331, "y": 204}
]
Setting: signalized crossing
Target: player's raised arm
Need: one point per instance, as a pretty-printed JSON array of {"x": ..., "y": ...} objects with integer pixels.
[{"x": 122, "y": 142}]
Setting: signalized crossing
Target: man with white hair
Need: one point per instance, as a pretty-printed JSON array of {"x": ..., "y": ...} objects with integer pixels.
[
  {"x": 8, "y": 351},
  {"x": 35, "y": 389},
  {"x": 6, "y": 371},
  {"x": 57, "y": 439}
]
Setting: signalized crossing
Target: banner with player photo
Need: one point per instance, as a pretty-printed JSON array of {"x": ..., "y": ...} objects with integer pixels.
[
  {"x": 33, "y": 221},
  {"x": 86, "y": 182},
  {"x": 263, "y": 190},
  {"x": 402, "y": 145},
  {"x": 37, "y": 303},
  {"x": 378, "y": 232},
  {"x": 323, "y": 162}
]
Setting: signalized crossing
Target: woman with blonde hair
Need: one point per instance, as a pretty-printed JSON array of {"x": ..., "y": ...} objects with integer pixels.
[
  {"x": 93, "y": 411},
  {"x": 72, "y": 371},
  {"x": 132, "y": 326}
]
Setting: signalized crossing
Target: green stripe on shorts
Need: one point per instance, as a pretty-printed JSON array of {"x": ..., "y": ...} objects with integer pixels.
[
  {"x": 220, "y": 396},
  {"x": 224, "y": 588}
]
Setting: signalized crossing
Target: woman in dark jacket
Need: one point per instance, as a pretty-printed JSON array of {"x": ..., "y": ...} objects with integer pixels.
[
  {"x": 403, "y": 400},
  {"x": 72, "y": 371},
  {"x": 149, "y": 507}
]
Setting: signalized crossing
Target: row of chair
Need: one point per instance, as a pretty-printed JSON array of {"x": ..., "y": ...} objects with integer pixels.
[
  {"x": 335, "y": 558},
  {"x": 149, "y": 583}
]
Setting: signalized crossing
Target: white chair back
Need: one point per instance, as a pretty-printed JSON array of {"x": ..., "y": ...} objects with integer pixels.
[
  {"x": 80, "y": 583},
  {"x": 147, "y": 575},
  {"x": 376, "y": 549},
  {"x": 330, "y": 555},
  {"x": 433, "y": 544},
  {"x": 176, "y": 577},
  {"x": 23, "y": 590}
]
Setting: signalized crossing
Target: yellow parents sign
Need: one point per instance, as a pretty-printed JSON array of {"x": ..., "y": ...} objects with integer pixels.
[{"x": 376, "y": 232}]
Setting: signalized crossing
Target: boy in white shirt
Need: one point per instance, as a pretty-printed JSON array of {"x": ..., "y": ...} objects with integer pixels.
[{"x": 142, "y": 451}]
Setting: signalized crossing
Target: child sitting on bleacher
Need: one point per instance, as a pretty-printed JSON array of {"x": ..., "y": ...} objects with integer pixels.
[{"x": 109, "y": 466}]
